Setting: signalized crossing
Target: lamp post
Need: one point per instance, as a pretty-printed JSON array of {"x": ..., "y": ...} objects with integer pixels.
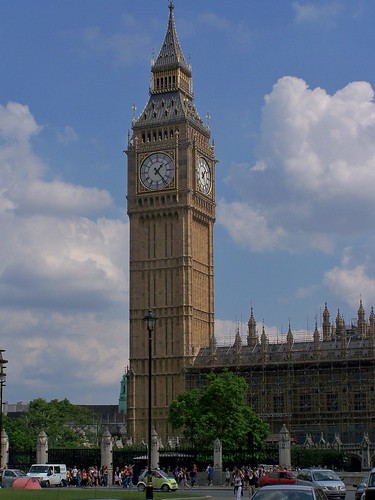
[
  {"x": 2, "y": 383},
  {"x": 150, "y": 318}
]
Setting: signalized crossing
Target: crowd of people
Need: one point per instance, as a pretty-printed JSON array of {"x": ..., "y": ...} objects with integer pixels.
[
  {"x": 240, "y": 478},
  {"x": 92, "y": 476}
]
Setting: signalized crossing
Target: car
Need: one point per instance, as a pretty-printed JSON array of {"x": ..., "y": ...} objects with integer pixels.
[
  {"x": 277, "y": 476},
  {"x": 325, "y": 479},
  {"x": 289, "y": 492},
  {"x": 367, "y": 483},
  {"x": 10, "y": 475},
  {"x": 360, "y": 487},
  {"x": 160, "y": 481}
]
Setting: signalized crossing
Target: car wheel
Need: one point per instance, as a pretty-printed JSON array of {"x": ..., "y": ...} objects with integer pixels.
[
  {"x": 141, "y": 487},
  {"x": 47, "y": 484},
  {"x": 165, "y": 488},
  {"x": 63, "y": 483}
]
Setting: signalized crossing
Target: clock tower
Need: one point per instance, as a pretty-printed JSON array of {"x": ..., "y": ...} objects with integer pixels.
[{"x": 171, "y": 209}]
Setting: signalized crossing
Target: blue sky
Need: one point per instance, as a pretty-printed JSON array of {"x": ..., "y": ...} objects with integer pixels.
[{"x": 289, "y": 89}]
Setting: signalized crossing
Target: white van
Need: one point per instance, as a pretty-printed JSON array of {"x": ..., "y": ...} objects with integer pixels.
[{"x": 49, "y": 474}]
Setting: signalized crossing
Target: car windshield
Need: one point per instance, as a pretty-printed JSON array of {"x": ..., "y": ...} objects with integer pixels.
[
  {"x": 38, "y": 469},
  {"x": 325, "y": 475},
  {"x": 283, "y": 495}
]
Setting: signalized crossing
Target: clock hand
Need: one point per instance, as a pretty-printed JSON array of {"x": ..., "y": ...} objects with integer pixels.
[{"x": 156, "y": 170}]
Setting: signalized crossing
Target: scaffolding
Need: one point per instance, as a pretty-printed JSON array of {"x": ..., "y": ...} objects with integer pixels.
[{"x": 325, "y": 386}]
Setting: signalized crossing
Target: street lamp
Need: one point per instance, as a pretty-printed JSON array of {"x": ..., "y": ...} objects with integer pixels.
[
  {"x": 2, "y": 383},
  {"x": 150, "y": 318}
]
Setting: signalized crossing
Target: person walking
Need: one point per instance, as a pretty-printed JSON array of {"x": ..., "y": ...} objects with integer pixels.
[
  {"x": 238, "y": 484},
  {"x": 253, "y": 482}
]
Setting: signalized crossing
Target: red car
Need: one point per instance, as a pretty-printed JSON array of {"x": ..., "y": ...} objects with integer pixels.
[{"x": 277, "y": 477}]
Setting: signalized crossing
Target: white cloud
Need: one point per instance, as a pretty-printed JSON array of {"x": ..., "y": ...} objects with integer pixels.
[
  {"x": 324, "y": 12},
  {"x": 311, "y": 185},
  {"x": 63, "y": 276},
  {"x": 353, "y": 278},
  {"x": 249, "y": 227},
  {"x": 125, "y": 47},
  {"x": 67, "y": 135}
]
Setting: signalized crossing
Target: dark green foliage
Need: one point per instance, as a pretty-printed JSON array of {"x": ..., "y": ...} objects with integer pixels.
[
  {"x": 65, "y": 424},
  {"x": 331, "y": 459},
  {"x": 220, "y": 410}
]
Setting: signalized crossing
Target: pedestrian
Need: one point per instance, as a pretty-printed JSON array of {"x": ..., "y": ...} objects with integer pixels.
[
  {"x": 238, "y": 484},
  {"x": 209, "y": 472},
  {"x": 253, "y": 482},
  {"x": 193, "y": 476},
  {"x": 227, "y": 477}
]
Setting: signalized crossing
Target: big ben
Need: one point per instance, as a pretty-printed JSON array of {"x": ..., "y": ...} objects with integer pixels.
[{"x": 171, "y": 209}]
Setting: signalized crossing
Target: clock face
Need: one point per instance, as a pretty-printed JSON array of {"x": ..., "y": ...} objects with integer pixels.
[
  {"x": 203, "y": 176},
  {"x": 157, "y": 171}
]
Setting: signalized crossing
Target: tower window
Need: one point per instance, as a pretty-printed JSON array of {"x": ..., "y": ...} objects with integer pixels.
[
  {"x": 143, "y": 137},
  {"x": 160, "y": 135},
  {"x": 165, "y": 134},
  {"x": 171, "y": 133},
  {"x": 154, "y": 136},
  {"x": 149, "y": 137}
]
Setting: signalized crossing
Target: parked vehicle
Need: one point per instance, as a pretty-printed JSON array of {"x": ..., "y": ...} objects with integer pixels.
[
  {"x": 289, "y": 492},
  {"x": 277, "y": 477},
  {"x": 9, "y": 476},
  {"x": 49, "y": 474},
  {"x": 160, "y": 481},
  {"x": 361, "y": 487},
  {"x": 325, "y": 479},
  {"x": 366, "y": 483}
]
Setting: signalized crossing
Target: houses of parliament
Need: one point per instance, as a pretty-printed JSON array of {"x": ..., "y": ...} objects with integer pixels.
[{"x": 324, "y": 385}]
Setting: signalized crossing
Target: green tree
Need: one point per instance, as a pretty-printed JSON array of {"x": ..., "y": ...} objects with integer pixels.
[
  {"x": 66, "y": 425},
  {"x": 220, "y": 410}
]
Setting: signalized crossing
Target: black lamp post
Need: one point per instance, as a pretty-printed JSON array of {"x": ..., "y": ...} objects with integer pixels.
[
  {"x": 150, "y": 318},
  {"x": 2, "y": 383}
]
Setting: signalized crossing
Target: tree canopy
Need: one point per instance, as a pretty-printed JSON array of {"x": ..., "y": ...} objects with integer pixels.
[
  {"x": 220, "y": 410},
  {"x": 66, "y": 425}
]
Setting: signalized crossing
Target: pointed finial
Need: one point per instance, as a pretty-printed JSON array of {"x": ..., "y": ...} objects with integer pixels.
[
  {"x": 171, "y": 6},
  {"x": 208, "y": 118},
  {"x": 134, "y": 109}
]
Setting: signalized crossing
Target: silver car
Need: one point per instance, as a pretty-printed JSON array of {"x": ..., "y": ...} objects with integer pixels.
[
  {"x": 325, "y": 479},
  {"x": 289, "y": 492},
  {"x": 10, "y": 475}
]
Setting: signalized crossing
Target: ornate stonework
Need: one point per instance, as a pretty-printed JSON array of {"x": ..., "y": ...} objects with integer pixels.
[{"x": 171, "y": 208}]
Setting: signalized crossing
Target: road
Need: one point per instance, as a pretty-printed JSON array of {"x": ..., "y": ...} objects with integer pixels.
[{"x": 217, "y": 493}]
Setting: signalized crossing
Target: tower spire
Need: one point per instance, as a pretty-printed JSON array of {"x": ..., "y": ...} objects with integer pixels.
[{"x": 171, "y": 55}]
